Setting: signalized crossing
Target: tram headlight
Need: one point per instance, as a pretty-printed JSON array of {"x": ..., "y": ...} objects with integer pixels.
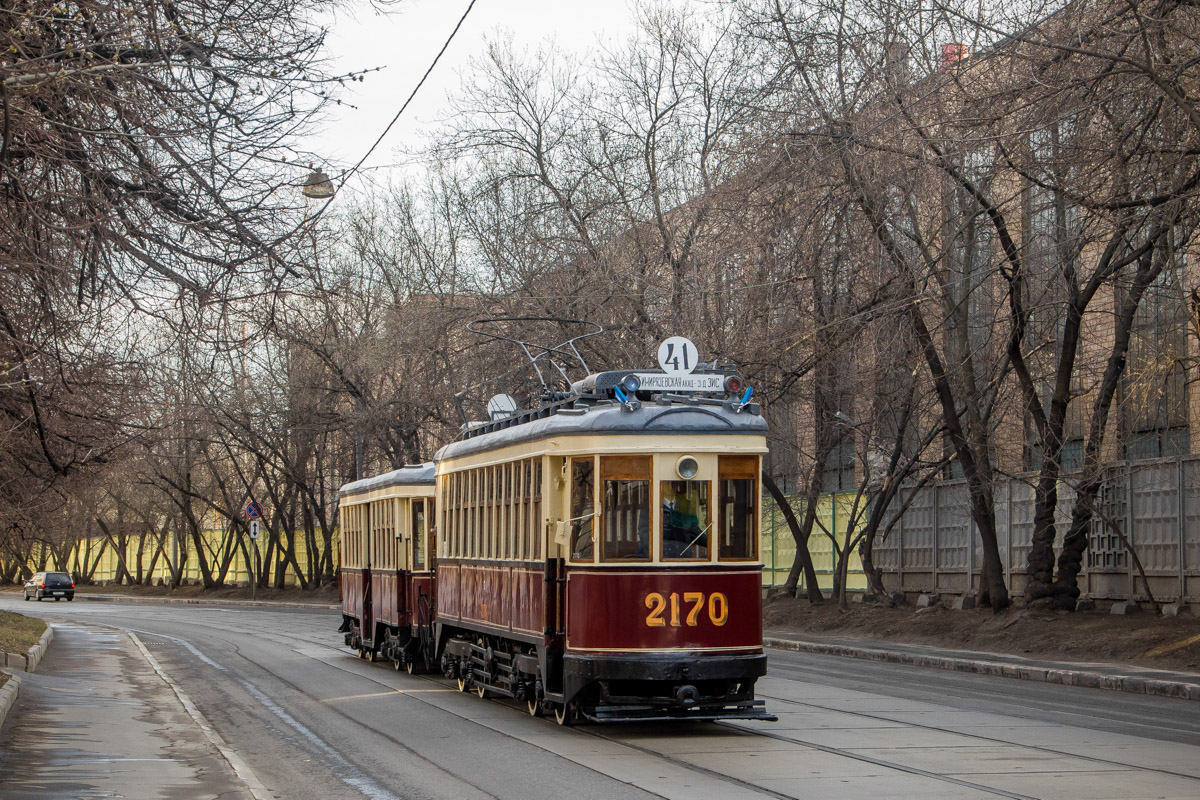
[
  {"x": 687, "y": 467},
  {"x": 631, "y": 383},
  {"x": 733, "y": 385}
]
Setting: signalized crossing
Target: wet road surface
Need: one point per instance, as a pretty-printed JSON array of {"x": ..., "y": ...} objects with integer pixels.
[{"x": 308, "y": 720}]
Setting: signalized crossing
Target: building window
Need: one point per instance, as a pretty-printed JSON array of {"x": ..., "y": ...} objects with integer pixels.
[
  {"x": 838, "y": 472},
  {"x": 1155, "y": 388}
]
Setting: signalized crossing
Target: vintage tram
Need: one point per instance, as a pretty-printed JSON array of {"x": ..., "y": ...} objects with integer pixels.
[
  {"x": 597, "y": 556},
  {"x": 387, "y": 574}
]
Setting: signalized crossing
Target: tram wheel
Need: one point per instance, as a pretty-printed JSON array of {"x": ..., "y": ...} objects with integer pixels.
[
  {"x": 362, "y": 653},
  {"x": 564, "y": 715},
  {"x": 481, "y": 690},
  {"x": 462, "y": 684},
  {"x": 396, "y": 665},
  {"x": 410, "y": 666},
  {"x": 534, "y": 707}
]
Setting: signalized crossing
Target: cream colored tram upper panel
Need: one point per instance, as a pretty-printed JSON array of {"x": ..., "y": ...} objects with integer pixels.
[
  {"x": 470, "y": 471},
  {"x": 377, "y": 518}
]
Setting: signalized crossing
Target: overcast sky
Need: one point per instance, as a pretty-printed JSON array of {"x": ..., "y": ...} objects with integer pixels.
[{"x": 405, "y": 42}]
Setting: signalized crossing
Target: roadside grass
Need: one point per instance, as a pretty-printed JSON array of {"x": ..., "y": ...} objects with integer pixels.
[{"x": 19, "y": 633}]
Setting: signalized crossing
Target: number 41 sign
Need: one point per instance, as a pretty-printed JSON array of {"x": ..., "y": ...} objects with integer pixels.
[{"x": 677, "y": 356}]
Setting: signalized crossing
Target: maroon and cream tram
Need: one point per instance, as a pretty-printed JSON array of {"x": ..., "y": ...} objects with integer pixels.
[
  {"x": 387, "y": 575},
  {"x": 598, "y": 556}
]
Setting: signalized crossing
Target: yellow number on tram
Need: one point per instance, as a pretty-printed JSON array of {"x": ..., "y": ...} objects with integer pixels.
[{"x": 718, "y": 609}]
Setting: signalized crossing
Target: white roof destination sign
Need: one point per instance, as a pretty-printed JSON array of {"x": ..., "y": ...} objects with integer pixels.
[{"x": 654, "y": 382}]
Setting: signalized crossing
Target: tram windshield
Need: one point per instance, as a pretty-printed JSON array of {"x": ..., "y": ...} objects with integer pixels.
[
  {"x": 625, "y": 517},
  {"x": 685, "y": 520}
]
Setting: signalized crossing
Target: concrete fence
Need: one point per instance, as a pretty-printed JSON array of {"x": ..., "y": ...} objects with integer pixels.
[{"x": 934, "y": 546}]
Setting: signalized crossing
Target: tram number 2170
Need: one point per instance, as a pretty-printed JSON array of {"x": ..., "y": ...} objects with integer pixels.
[{"x": 685, "y": 609}]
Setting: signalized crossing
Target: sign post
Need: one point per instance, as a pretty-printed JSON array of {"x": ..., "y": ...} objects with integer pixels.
[{"x": 254, "y": 512}]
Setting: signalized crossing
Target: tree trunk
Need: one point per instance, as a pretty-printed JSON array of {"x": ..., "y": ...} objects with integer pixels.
[
  {"x": 803, "y": 560},
  {"x": 1070, "y": 560}
]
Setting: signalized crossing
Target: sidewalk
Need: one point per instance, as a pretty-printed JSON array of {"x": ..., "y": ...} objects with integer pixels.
[
  {"x": 97, "y": 721},
  {"x": 1117, "y": 677}
]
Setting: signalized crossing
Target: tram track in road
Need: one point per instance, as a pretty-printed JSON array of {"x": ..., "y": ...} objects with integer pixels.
[
  {"x": 339, "y": 761},
  {"x": 953, "y": 732},
  {"x": 1098, "y": 709},
  {"x": 387, "y": 682},
  {"x": 600, "y": 732}
]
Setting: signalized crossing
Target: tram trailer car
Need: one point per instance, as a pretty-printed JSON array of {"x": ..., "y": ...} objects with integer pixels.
[
  {"x": 387, "y": 576},
  {"x": 598, "y": 556}
]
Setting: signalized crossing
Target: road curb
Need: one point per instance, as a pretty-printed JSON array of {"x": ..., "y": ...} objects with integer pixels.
[
  {"x": 29, "y": 660},
  {"x": 21, "y": 663},
  {"x": 1057, "y": 673},
  {"x": 8, "y": 694},
  {"x": 199, "y": 601}
]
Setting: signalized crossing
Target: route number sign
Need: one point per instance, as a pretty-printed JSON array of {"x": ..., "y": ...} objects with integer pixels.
[{"x": 677, "y": 356}]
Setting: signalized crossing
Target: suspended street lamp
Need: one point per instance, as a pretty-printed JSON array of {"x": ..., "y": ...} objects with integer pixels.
[{"x": 317, "y": 185}]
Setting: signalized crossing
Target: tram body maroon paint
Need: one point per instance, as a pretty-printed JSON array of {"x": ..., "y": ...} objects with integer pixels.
[
  {"x": 420, "y": 584},
  {"x": 448, "y": 590},
  {"x": 664, "y": 608},
  {"x": 390, "y": 604},
  {"x": 498, "y": 595},
  {"x": 350, "y": 587},
  {"x": 529, "y": 597}
]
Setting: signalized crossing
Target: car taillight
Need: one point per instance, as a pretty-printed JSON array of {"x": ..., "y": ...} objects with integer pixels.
[
  {"x": 72, "y": 586},
  {"x": 43, "y": 586}
]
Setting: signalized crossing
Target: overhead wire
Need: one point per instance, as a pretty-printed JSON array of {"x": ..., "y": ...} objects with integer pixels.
[{"x": 353, "y": 170}]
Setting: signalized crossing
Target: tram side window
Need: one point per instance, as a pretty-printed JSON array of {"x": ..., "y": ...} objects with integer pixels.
[
  {"x": 626, "y": 513},
  {"x": 685, "y": 520},
  {"x": 450, "y": 511},
  {"x": 583, "y": 508},
  {"x": 418, "y": 533},
  {"x": 472, "y": 522},
  {"x": 491, "y": 525},
  {"x": 738, "y": 507},
  {"x": 521, "y": 508},
  {"x": 535, "y": 510},
  {"x": 431, "y": 530}
]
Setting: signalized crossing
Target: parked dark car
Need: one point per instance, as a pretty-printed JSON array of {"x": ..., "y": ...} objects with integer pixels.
[{"x": 50, "y": 584}]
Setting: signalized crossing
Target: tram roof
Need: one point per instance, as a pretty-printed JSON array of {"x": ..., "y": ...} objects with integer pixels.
[
  {"x": 408, "y": 475},
  {"x": 661, "y": 418}
]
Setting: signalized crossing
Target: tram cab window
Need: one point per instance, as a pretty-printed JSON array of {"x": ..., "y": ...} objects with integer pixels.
[
  {"x": 738, "y": 507},
  {"x": 625, "y": 519},
  {"x": 685, "y": 520},
  {"x": 418, "y": 534},
  {"x": 583, "y": 507}
]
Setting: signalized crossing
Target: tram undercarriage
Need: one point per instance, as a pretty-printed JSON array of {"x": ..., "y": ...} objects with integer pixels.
[{"x": 622, "y": 688}]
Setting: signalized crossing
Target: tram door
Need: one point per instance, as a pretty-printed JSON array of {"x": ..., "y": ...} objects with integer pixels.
[
  {"x": 368, "y": 613},
  {"x": 421, "y": 597}
]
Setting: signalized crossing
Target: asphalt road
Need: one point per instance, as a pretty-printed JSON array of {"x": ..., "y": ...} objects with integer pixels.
[{"x": 280, "y": 710}]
